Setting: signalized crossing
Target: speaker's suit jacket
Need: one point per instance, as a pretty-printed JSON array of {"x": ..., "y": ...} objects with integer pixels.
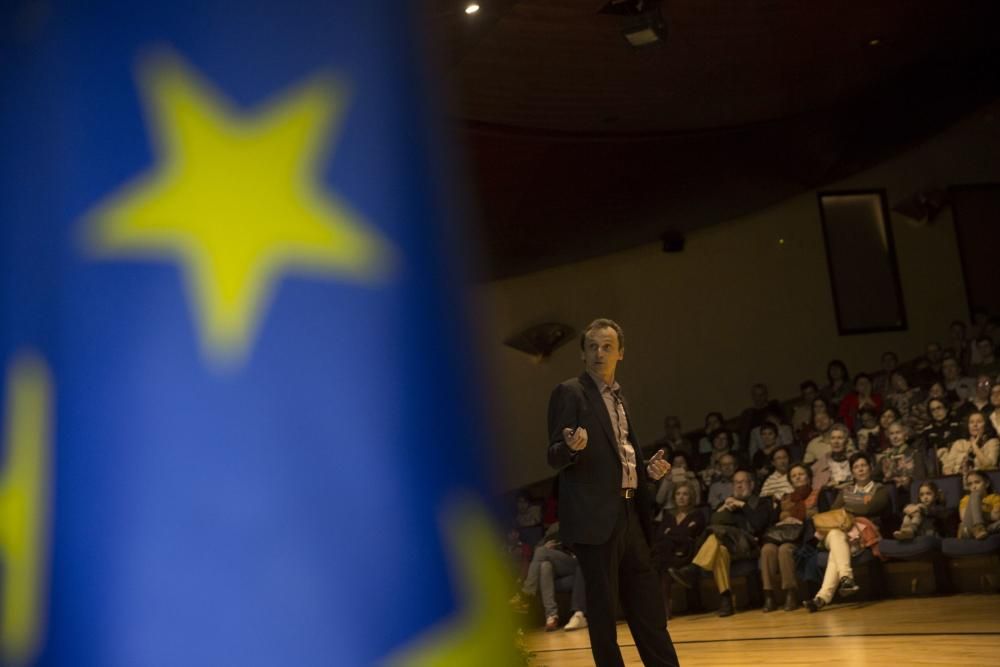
[{"x": 590, "y": 480}]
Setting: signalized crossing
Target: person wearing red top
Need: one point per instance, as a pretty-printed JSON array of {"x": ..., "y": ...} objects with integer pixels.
[{"x": 861, "y": 397}]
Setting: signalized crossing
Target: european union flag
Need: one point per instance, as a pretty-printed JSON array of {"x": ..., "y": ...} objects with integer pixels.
[{"x": 239, "y": 420}]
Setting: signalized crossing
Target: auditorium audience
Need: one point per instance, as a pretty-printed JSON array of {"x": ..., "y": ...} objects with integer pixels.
[
  {"x": 820, "y": 444},
  {"x": 680, "y": 473},
  {"x": 761, "y": 407},
  {"x": 928, "y": 367},
  {"x": 833, "y": 469},
  {"x": 882, "y": 380},
  {"x": 720, "y": 480},
  {"x": 987, "y": 362},
  {"x": 942, "y": 431},
  {"x": 958, "y": 387},
  {"x": 777, "y": 484},
  {"x": 769, "y": 442},
  {"x": 925, "y": 518},
  {"x": 900, "y": 464},
  {"x": 802, "y": 411},
  {"x": 552, "y": 560},
  {"x": 903, "y": 398},
  {"x": 859, "y": 399},
  {"x": 978, "y": 402},
  {"x": 673, "y": 440},
  {"x": 715, "y": 422}
]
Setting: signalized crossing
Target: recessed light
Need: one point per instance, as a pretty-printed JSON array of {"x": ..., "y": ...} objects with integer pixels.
[{"x": 471, "y": 8}]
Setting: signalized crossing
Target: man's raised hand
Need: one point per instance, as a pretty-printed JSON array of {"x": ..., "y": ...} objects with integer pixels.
[
  {"x": 657, "y": 466},
  {"x": 575, "y": 439}
]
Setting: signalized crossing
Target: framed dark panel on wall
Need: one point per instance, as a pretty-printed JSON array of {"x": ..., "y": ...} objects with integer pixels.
[
  {"x": 976, "y": 213},
  {"x": 861, "y": 259}
]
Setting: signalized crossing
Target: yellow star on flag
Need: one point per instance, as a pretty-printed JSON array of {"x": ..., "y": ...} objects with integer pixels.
[
  {"x": 483, "y": 633},
  {"x": 236, "y": 200}
]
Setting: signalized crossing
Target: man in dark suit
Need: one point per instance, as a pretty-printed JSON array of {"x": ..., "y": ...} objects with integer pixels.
[{"x": 604, "y": 501}]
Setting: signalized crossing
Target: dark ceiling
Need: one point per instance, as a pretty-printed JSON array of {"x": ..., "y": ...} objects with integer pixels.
[{"x": 577, "y": 144}]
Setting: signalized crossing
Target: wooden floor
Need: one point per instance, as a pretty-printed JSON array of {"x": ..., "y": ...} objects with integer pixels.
[{"x": 958, "y": 630}]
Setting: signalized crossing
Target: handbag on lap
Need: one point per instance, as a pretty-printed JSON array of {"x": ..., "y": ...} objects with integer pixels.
[{"x": 839, "y": 519}]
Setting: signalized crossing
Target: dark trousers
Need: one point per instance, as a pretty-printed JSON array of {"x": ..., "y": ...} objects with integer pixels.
[{"x": 623, "y": 564}]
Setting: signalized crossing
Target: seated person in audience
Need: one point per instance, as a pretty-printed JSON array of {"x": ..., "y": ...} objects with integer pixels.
[
  {"x": 777, "y": 484},
  {"x": 776, "y": 419},
  {"x": 721, "y": 485},
  {"x": 839, "y": 383},
  {"x": 903, "y": 398},
  {"x": 528, "y": 513},
  {"x": 862, "y": 397},
  {"x": 735, "y": 528},
  {"x": 979, "y": 510},
  {"x": 761, "y": 407},
  {"x": 868, "y": 426},
  {"x": 979, "y": 401},
  {"x": 987, "y": 363},
  {"x": 769, "y": 442},
  {"x": 958, "y": 387},
  {"x": 807, "y": 433},
  {"x": 675, "y": 537},
  {"x": 879, "y": 439},
  {"x": 673, "y": 441},
  {"x": 679, "y": 474},
  {"x": 941, "y": 432},
  {"x": 976, "y": 451},
  {"x": 833, "y": 470},
  {"x": 929, "y": 365},
  {"x": 552, "y": 560},
  {"x": 777, "y": 556},
  {"x": 713, "y": 424},
  {"x": 995, "y": 402},
  {"x": 926, "y": 517},
  {"x": 802, "y": 413},
  {"x": 868, "y": 502},
  {"x": 920, "y": 416},
  {"x": 821, "y": 443},
  {"x": 900, "y": 463},
  {"x": 882, "y": 381}
]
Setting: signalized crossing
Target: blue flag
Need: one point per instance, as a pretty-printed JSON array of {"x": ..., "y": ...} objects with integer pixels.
[{"x": 239, "y": 418}]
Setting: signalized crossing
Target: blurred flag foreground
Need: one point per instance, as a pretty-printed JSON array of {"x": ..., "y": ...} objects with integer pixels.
[{"x": 238, "y": 421}]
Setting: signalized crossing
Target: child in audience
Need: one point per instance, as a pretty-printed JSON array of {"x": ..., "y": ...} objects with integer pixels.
[
  {"x": 979, "y": 509},
  {"x": 924, "y": 517}
]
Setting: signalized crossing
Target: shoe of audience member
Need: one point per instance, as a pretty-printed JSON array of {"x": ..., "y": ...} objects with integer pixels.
[
  {"x": 551, "y": 624},
  {"x": 815, "y": 604},
  {"x": 769, "y": 603},
  {"x": 791, "y": 600},
  {"x": 685, "y": 576},
  {"x": 576, "y": 622},
  {"x": 979, "y": 531},
  {"x": 902, "y": 534},
  {"x": 519, "y": 603},
  {"x": 847, "y": 587},
  {"x": 726, "y": 604}
]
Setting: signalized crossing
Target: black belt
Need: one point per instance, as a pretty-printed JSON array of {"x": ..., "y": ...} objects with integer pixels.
[{"x": 628, "y": 493}]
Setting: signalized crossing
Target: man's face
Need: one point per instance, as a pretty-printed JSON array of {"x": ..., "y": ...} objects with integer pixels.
[
  {"x": 949, "y": 368},
  {"x": 897, "y": 435},
  {"x": 768, "y": 437},
  {"x": 742, "y": 485},
  {"x": 887, "y": 417},
  {"x": 727, "y": 464},
  {"x": 759, "y": 395},
  {"x": 780, "y": 461},
  {"x": 862, "y": 472},
  {"x": 601, "y": 353},
  {"x": 985, "y": 349},
  {"x": 838, "y": 441}
]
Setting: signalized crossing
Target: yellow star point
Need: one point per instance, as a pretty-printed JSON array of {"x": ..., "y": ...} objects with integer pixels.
[
  {"x": 235, "y": 198},
  {"x": 483, "y": 632}
]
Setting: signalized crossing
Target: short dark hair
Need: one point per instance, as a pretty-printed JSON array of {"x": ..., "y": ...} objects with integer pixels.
[
  {"x": 768, "y": 426},
  {"x": 840, "y": 364},
  {"x": 857, "y": 456},
  {"x": 806, "y": 384},
  {"x": 603, "y": 323},
  {"x": 784, "y": 449}
]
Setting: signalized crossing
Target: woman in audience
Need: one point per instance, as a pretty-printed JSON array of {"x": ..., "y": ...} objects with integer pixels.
[
  {"x": 940, "y": 433},
  {"x": 979, "y": 509},
  {"x": 714, "y": 423},
  {"x": 676, "y": 536},
  {"x": 809, "y": 432},
  {"x": 900, "y": 463},
  {"x": 839, "y": 383},
  {"x": 680, "y": 473},
  {"x": 859, "y": 399},
  {"x": 868, "y": 501},
  {"x": 920, "y": 416},
  {"x": 995, "y": 402},
  {"x": 903, "y": 398},
  {"x": 977, "y": 451},
  {"x": 777, "y": 555},
  {"x": 879, "y": 440},
  {"x": 769, "y": 442}
]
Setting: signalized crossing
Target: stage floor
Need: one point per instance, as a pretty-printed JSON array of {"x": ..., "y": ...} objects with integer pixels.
[{"x": 957, "y": 630}]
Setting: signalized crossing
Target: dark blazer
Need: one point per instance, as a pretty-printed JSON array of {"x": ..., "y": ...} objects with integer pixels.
[{"x": 590, "y": 480}]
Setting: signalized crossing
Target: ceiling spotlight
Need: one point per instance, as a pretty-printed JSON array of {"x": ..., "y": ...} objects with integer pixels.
[{"x": 471, "y": 8}]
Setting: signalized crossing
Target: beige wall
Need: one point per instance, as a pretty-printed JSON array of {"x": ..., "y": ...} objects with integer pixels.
[{"x": 734, "y": 308}]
